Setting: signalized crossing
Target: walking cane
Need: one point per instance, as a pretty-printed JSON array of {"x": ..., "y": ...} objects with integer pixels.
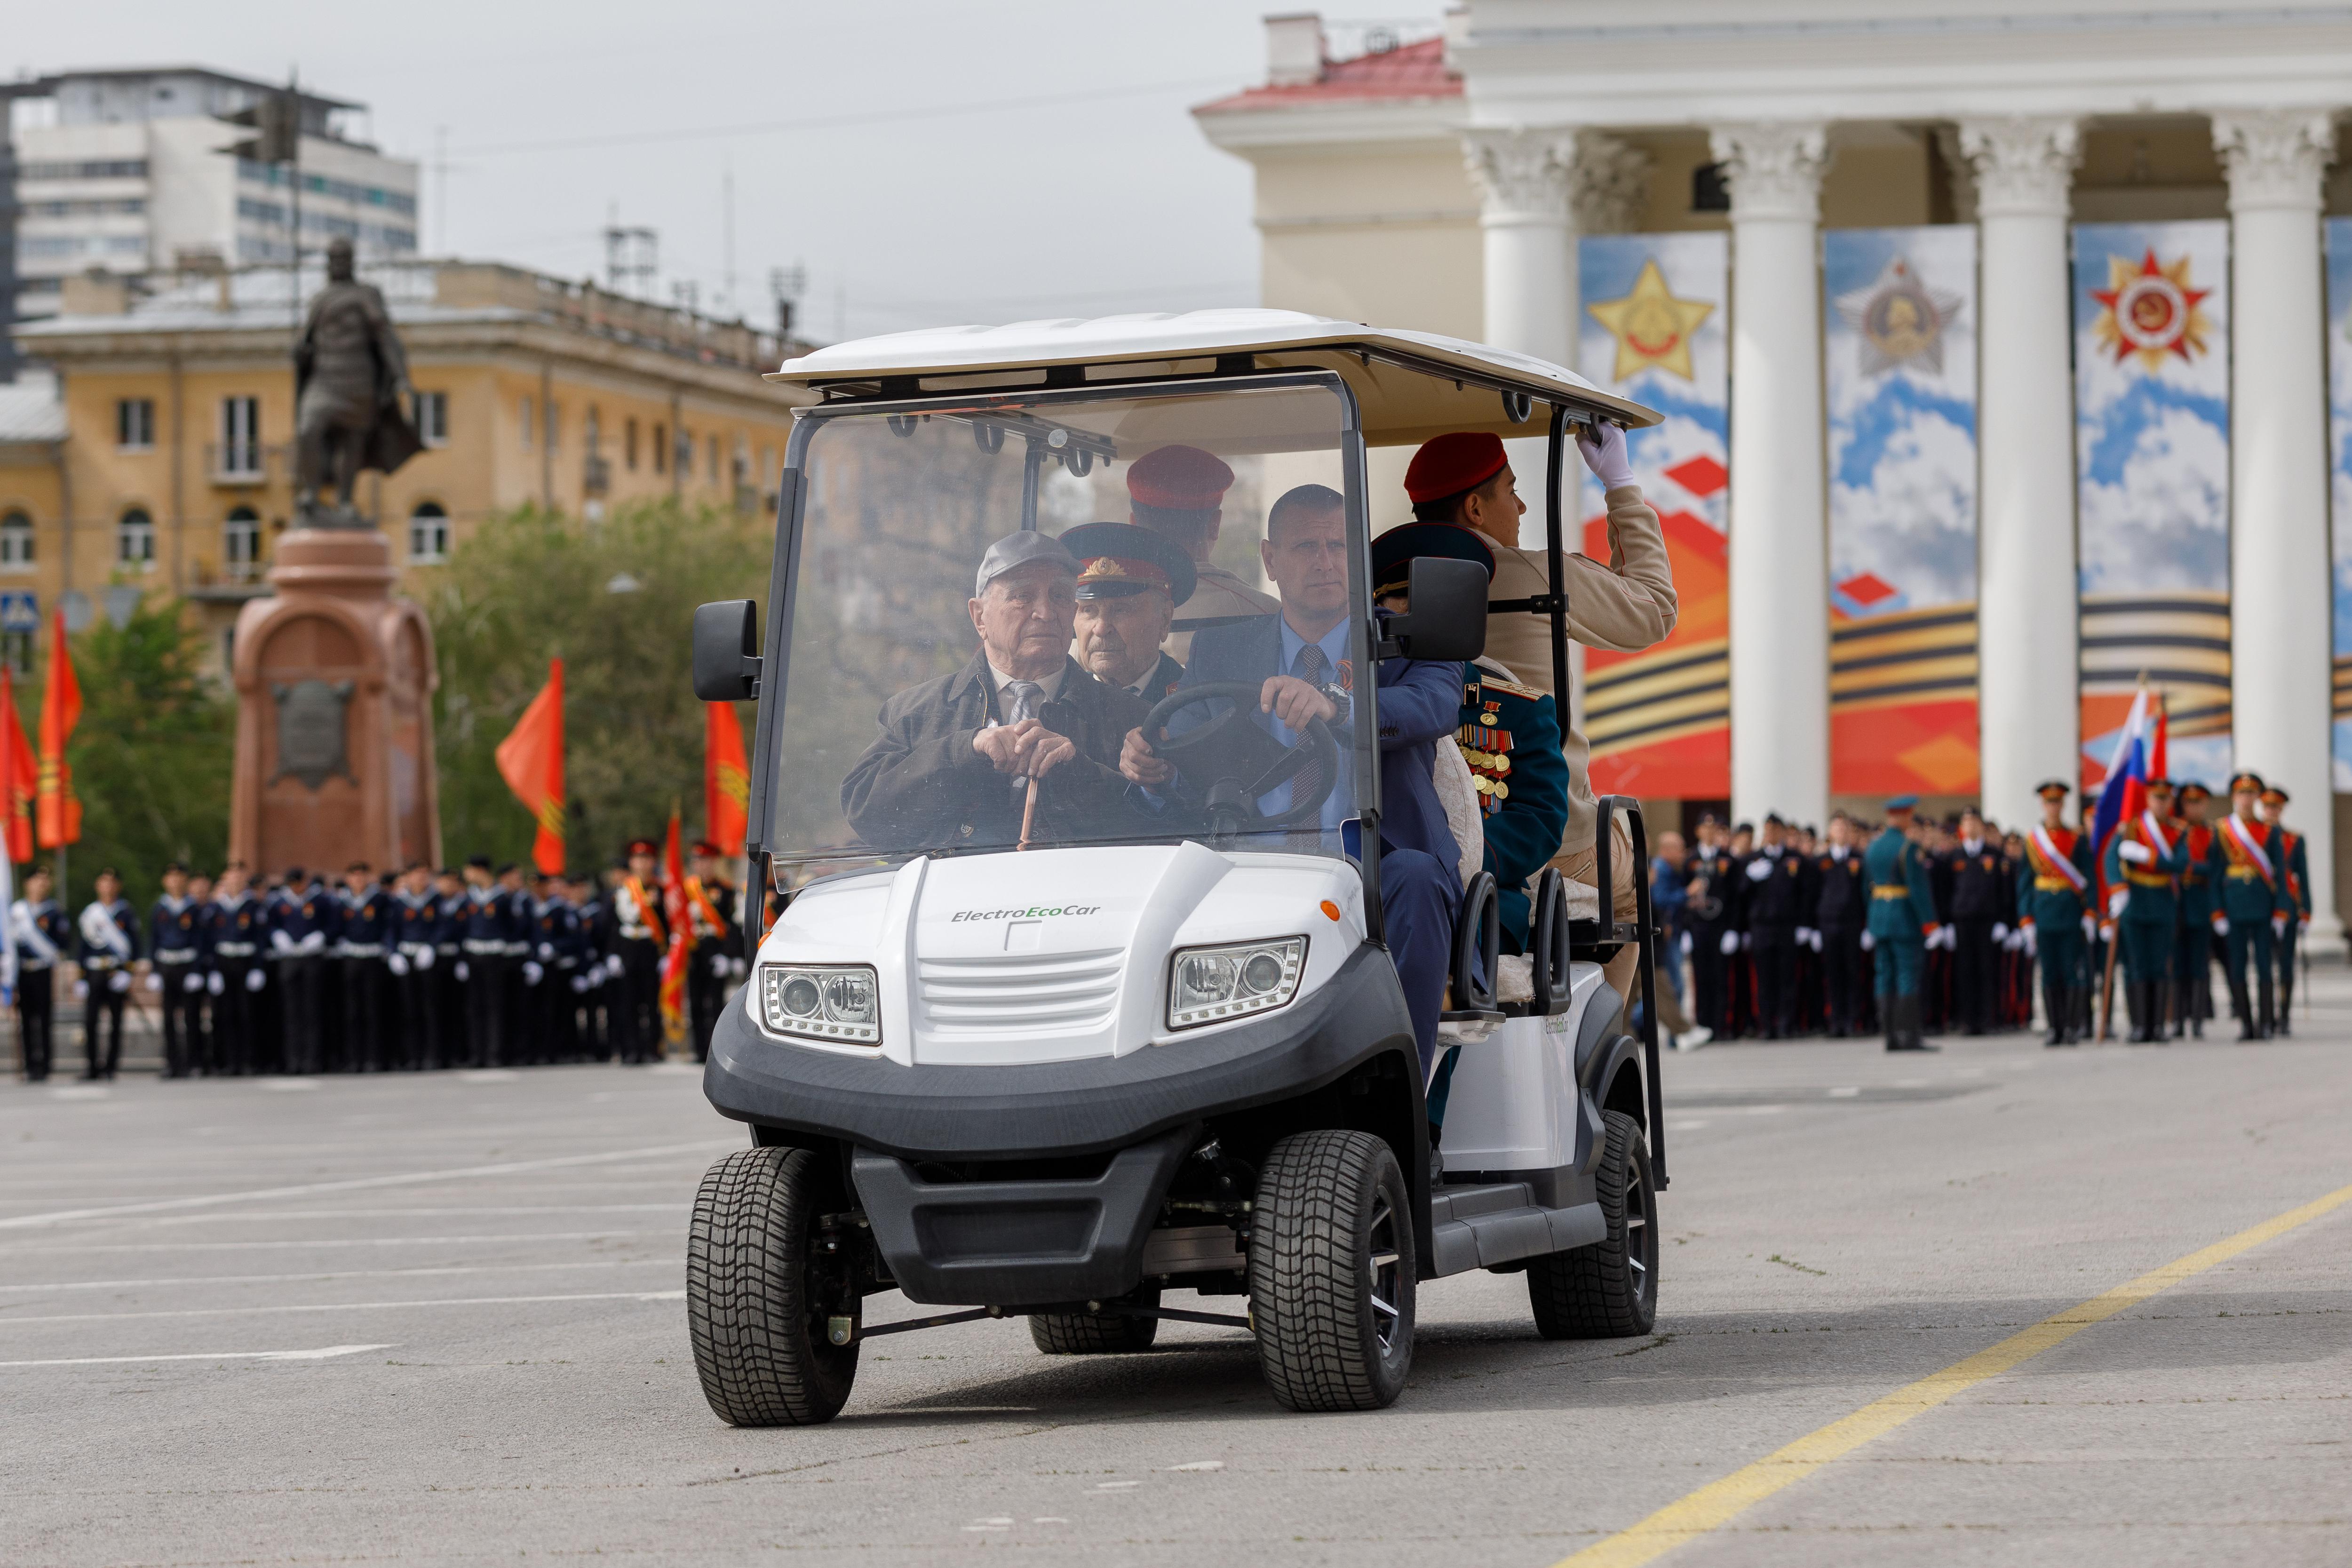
[
  {"x": 2107, "y": 988},
  {"x": 1028, "y": 814}
]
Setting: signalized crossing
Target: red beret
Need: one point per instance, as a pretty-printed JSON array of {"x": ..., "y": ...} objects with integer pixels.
[
  {"x": 1451, "y": 464},
  {"x": 1181, "y": 478}
]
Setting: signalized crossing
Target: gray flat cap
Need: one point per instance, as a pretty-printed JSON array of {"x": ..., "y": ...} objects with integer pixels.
[{"x": 1019, "y": 549}]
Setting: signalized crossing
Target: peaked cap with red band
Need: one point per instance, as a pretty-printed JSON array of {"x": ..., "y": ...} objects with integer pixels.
[
  {"x": 1178, "y": 478},
  {"x": 1451, "y": 464}
]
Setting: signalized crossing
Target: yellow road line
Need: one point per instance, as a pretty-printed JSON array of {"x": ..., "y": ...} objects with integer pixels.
[{"x": 1717, "y": 1503}]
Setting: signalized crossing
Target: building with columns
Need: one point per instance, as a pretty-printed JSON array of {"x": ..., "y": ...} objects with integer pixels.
[{"x": 2135, "y": 471}]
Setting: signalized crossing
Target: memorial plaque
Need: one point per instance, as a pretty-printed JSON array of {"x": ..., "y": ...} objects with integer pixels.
[{"x": 311, "y": 730}]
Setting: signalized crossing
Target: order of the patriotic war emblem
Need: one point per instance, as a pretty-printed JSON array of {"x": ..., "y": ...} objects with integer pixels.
[
  {"x": 311, "y": 730},
  {"x": 1900, "y": 319}
]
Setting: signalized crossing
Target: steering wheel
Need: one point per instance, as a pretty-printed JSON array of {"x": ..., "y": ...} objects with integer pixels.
[{"x": 1238, "y": 762}]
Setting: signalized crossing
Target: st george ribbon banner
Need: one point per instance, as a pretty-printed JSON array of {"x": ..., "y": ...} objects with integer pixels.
[
  {"x": 1654, "y": 330},
  {"x": 1900, "y": 363},
  {"x": 2152, "y": 465},
  {"x": 2339, "y": 480}
]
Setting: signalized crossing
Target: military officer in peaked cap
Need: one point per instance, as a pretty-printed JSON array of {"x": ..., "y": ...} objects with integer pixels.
[
  {"x": 1179, "y": 492},
  {"x": 175, "y": 947},
  {"x": 2193, "y": 942},
  {"x": 1903, "y": 922},
  {"x": 1131, "y": 582},
  {"x": 40, "y": 931},
  {"x": 2143, "y": 856},
  {"x": 2297, "y": 859},
  {"x": 109, "y": 929},
  {"x": 2253, "y": 905},
  {"x": 2056, "y": 889}
]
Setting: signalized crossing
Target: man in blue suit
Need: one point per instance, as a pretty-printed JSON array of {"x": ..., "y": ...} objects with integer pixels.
[{"x": 1303, "y": 663}]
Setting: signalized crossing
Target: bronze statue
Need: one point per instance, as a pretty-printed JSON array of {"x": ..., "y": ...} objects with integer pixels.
[{"x": 350, "y": 396}]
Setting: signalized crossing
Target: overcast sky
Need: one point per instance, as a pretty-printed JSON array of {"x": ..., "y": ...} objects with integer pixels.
[{"x": 904, "y": 150}]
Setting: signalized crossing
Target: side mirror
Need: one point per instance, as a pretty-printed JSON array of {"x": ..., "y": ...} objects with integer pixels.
[
  {"x": 727, "y": 651},
  {"x": 1448, "y": 618}
]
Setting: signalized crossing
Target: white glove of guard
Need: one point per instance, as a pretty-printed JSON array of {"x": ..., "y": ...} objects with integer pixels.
[
  {"x": 613, "y": 966},
  {"x": 464, "y": 972},
  {"x": 1868, "y": 942},
  {"x": 1999, "y": 931},
  {"x": 2025, "y": 934},
  {"x": 397, "y": 963},
  {"x": 2220, "y": 925},
  {"x": 81, "y": 990},
  {"x": 2090, "y": 928},
  {"x": 315, "y": 942},
  {"x": 2116, "y": 901},
  {"x": 119, "y": 982},
  {"x": 215, "y": 983},
  {"x": 531, "y": 972},
  {"x": 580, "y": 985},
  {"x": 1730, "y": 943},
  {"x": 424, "y": 958},
  {"x": 1804, "y": 936},
  {"x": 255, "y": 980},
  {"x": 2107, "y": 931},
  {"x": 2278, "y": 925},
  {"x": 546, "y": 952},
  {"x": 1759, "y": 871},
  {"x": 2137, "y": 853},
  {"x": 154, "y": 981},
  {"x": 280, "y": 941},
  {"x": 741, "y": 968},
  {"x": 1606, "y": 457},
  {"x": 1951, "y": 938},
  {"x": 1687, "y": 944},
  {"x": 192, "y": 984}
]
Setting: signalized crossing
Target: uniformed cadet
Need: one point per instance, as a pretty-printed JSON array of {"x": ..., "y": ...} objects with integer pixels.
[
  {"x": 302, "y": 932},
  {"x": 1983, "y": 896},
  {"x": 39, "y": 929},
  {"x": 2248, "y": 874},
  {"x": 2141, "y": 860},
  {"x": 2056, "y": 890},
  {"x": 236, "y": 933},
  {"x": 714, "y": 956},
  {"x": 481, "y": 923},
  {"x": 555, "y": 928},
  {"x": 594, "y": 981},
  {"x": 1840, "y": 912},
  {"x": 2297, "y": 859},
  {"x": 108, "y": 928},
  {"x": 2192, "y": 940},
  {"x": 413, "y": 941},
  {"x": 1709, "y": 914},
  {"x": 1903, "y": 920},
  {"x": 176, "y": 943},
  {"x": 1777, "y": 883},
  {"x": 1179, "y": 492},
  {"x": 1738, "y": 942},
  {"x": 449, "y": 899},
  {"x": 1131, "y": 582},
  {"x": 640, "y": 938},
  {"x": 518, "y": 1023},
  {"x": 364, "y": 930}
]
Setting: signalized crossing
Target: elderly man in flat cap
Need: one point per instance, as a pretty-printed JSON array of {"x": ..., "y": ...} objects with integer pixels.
[
  {"x": 953, "y": 765},
  {"x": 1131, "y": 582},
  {"x": 1178, "y": 493}
]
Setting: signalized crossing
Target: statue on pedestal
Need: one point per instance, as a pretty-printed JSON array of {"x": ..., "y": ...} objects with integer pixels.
[{"x": 350, "y": 396}]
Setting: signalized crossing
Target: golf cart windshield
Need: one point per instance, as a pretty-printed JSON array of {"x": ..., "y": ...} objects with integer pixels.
[{"x": 1051, "y": 619}]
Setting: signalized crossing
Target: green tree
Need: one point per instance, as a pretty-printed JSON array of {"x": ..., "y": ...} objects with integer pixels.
[{"x": 615, "y": 600}]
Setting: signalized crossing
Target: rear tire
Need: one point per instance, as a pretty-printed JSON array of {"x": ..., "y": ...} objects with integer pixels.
[
  {"x": 758, "y": 1293},
  {"x": 1331, "y": 1272},
  {"x": 1610, "y": 1289},
  {"x": 1095, "y": 1333}
]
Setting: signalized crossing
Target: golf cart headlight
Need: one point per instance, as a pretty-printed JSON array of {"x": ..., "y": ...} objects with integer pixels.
[
  {"x": 1211, "y": 983},
  {"x": 821, "y": 1001}
]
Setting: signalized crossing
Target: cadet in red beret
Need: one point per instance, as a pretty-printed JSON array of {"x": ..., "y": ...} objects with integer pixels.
[
  {"x": 1625, "y": 604},
  {"x": 1179, "y": 492}
]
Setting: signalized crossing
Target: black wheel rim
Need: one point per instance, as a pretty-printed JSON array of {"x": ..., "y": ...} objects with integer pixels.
[{"x": 1385, "y": 1274}]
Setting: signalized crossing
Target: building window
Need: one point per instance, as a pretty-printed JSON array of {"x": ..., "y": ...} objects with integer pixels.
[
  {"x": 134, "y": 424},
  {"x": 661, "y": 448},
  {"x": 240, "y": 437},
  {"x": 530, "y": 414},
  {"x": 433, "y": 418},
  {"x": 1709, "y": 193},
  {"x": 711, "y": 446},
  {"x": 134, "y": 542},
  {"x": 629, "y": 445},
  {"x": 428, "y": 534},
  {"x": 241, "y": 545},
  {"x": 592, "y": 431},
  {"x": 15, "y": 543},
  {"x": 685, "y": 455}
]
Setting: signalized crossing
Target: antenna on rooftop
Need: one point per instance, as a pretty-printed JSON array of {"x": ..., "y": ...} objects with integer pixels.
[
  {"x": 631, "y": 258},
  {"x": 785, "y": 286}
]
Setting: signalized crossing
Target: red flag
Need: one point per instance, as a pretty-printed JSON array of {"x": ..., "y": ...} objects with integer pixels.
[
  {"x": 726, "y": 779},
  {"x": 530, "y": 759},
  {"x": 674, "y": 912},
  {"x": 56, "y": 814},
  {"x": 20, "y": 776}
]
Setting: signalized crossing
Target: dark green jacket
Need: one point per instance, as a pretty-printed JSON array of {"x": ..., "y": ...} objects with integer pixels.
[{"x": 1895, "y": 862}]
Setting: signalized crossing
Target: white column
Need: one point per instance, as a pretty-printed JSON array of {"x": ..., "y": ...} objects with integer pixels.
[
  {"x": 1527, "y": 233},
  {"x": 2280, "y": 604},
  {"x": 1780, "y": 534},
  {"x": 2029, "y": 710}
]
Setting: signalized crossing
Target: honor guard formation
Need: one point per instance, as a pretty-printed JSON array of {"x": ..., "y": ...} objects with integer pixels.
[
  {"x": 480, "y": 967},
  {"x": 1918, "y": 927}
]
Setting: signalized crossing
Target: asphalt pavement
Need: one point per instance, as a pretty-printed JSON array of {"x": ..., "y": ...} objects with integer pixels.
[{"x": 440, "y": 1319}]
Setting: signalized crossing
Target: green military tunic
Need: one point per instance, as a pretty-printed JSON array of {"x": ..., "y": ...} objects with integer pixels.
[
  {"x": 2250, "y": 884},
  {"x": 2054, "y": 903},
  {"x": 2151, "y": 908},
  {"x": 1902, "y": 910}
]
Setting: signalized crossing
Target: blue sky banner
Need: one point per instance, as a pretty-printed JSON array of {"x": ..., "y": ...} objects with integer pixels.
[
  {"x": 1899, "y": 359},
  {"x": 2152, "y": 476},
  {"x": 2339, "y": 476},
  {"x": 1653, "y": 329}
]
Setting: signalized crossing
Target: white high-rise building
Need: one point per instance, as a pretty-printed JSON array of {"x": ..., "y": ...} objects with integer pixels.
[{"x": 129, "y": 172}]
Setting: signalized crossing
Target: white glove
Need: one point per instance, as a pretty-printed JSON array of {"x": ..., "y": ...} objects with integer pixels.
[
  {"x": 2138, "y": 854},
  {"x": 2090, "y": 928},
  {"x": 741, "y": 966},
  {"x": 613, "y": 967},
  {"x": 546, "y": 952},
  {"x": 2107, "y": 931},
  {"x": 464, "y": 972},
  {"x": 119, "y": 982},
  {"x": 282, "y": 941},
  {"x": 155, "y": 982},
  {"x": 1747, "y": 940},
  {"x": 1606, "y": 457},
  {"x": 1999, "y": 931},
  {"x": 1813, "y": 940},
  {"x": 1951, "y": 938},
  {"x": 192, "y": 984},
  {"x": 2116, "y": 901},
  {"x": 81, "y": 990},
  {"x": 315, "y": 942},
  {"x": 2032, "y": 943},
  {"x": 1804, "y": 936},
  {"x": 255, "y": 980},
  {"x": 1687, "y": 944},
  {"x": 531, "y": 972},
  {"x": 2278, "y": 925},
  {"x": 397, "y": 963},
  {"x": 580, "y": 985},
  {"x": 2220, "y": 925},
  {"x": 215, "y": 983},
  {"x": 423, "y": 959},
  {"x": 1730, "y": 943},
  {"x": 1759, "y": 871},
  {"x": 1868, "y": 942}
]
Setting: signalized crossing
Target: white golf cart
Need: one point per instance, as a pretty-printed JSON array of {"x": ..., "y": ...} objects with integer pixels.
[{"x": 1147, "y": 1039}]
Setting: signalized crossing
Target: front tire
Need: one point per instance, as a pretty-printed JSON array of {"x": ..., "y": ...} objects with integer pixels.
[
  {"x": 1331, "y": 1272},
  {"x": 759, "y": 1290},
  {"x": 1607, "y": 1290},
  {"x": 1096, "y": 1333}
]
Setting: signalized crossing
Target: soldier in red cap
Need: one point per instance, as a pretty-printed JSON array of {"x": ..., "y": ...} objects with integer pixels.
[
  {"x": 1625, "y": 604},
  {"x": 1180, "y": 493}
]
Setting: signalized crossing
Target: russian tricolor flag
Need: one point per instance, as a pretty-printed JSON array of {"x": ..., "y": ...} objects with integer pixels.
[{"x": 2139, "y": 756}]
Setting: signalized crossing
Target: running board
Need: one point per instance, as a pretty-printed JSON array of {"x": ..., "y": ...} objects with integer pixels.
[{"x": 1487, "y": 1226}]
